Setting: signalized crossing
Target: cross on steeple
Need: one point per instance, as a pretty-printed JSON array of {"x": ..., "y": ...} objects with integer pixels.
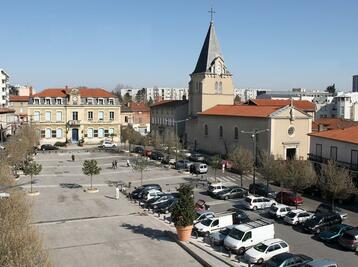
[{"x": 212, "y": 12}]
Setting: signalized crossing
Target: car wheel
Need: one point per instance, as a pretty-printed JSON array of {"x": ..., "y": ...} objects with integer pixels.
[
  {"x": 318, "y": 231},
  {"x": 226, "y": 197},
  {"x": 254, "y": 208},
  {"x": 260, "y": 261},
  {"x": 241, "y": 251}
]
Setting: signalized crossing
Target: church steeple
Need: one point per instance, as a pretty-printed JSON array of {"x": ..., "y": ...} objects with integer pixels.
[{"x": 209, "y": 52}]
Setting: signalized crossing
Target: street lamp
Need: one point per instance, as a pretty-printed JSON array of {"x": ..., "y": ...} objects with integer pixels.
[{"x": 253, "y": 134}]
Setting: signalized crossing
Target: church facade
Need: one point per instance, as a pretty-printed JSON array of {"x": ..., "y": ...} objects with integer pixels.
[{"x": 216, "y": 126}]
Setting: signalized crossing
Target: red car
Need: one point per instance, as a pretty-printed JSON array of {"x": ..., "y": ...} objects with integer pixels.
[
  {"x": 289, "y": 198},
  {"x": 147, "y": 152}
]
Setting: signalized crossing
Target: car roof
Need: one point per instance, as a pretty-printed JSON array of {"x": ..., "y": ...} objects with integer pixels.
[
  {"x": 272, "y": 241},
  {"x": 281, "y": 206},
  {"x": 298, "y": 210},
  {"x": 354, "y": 231},
  {"x": 283, "y": 256},
  {"x": 320, "y": 262}
]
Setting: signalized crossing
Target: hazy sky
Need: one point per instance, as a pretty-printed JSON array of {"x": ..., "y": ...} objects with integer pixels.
[{"x": 276, "y": 44}]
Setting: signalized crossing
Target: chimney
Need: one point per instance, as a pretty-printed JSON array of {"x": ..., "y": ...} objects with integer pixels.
[{"x": 30, "y": 91}]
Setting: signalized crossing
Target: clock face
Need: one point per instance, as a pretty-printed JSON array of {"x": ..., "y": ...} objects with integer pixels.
[
  {"x": 218, "y": 69},
  {"x": 74, "y": 98}
]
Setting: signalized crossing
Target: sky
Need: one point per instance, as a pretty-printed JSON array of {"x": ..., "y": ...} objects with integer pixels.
[{"x": 272, "y": 44}]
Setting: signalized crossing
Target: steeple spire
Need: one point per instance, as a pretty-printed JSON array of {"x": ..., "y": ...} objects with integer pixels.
[
  {"x": 210, "y": 50},
  {"x": 212, "y": 12}
]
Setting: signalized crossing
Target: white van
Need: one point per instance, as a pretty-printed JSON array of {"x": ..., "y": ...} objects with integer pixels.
[
  {"x": 210, "y": 225},
  {"x": 200, "y": 168},
  {"x": 244, "y": 236}
]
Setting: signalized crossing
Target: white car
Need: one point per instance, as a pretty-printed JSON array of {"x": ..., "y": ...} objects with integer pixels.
[
  {"x": 203, "y": 216},
  {"x": 255, "y": 202},
  {"x": 279, "y": 210},
  {"x": 266, "y": 250},
  {"x": 298, "y": 216},
  {"x": 108, "y": 144},
  {"x": 215, "y": 188},
  {"x": 4, "y": 195},
  {"x": 152, "y": 194}
]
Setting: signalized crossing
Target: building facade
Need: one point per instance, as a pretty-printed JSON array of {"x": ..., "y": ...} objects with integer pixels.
[
  {"x": 8, "y": 123},
  {"x": 168, "y": 120},
  {"x": 75, "y": 115},
  {"x": 4, "y": 88},
  {"x": 137, "y": 115},
  {"x": 158, "y": 93},
  {"x": 355, "y": 83},
  {"x": 20, "y": 105}
]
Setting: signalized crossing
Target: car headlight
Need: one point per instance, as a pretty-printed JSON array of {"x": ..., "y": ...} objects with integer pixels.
[{"x": 155, "y": 206}]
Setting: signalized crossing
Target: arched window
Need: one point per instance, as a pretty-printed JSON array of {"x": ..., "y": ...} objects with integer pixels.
[
  {"x": 220, "y": 88},
  {"x": 236, "y": 133},
  {"x": 90, "y": 132},
  {"x": 206, "y": 130},
  {"x": 221, "y": 132},
  {"x": 216, "y": 87},
  {"x": 48, "y": 133},
  {"x": 100, "y": 132},
  {"x": 58, "y": 133}
]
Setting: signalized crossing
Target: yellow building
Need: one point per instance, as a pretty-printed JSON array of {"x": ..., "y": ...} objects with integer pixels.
[{"x": 75, "y": 115}]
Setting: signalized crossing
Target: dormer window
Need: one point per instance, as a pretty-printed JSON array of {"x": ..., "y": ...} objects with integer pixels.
[
  {"x": 48, "y": 101},
  {"x": 59, "y": 101},
  {"x": 111, "y": 101},
  {"x": 89, "y": 101},
  {"x": 37, "y": 101},
  {"x": 100, "y": 101}
]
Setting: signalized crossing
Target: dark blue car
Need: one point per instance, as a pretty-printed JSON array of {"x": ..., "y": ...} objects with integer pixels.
[{"x": 334, "y": 232}]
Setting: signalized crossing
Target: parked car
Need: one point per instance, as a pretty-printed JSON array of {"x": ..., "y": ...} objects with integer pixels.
[
  {"x": 185, "y": 153},
  {"x": 108, "y": 144},
  {"x": 147, "y": 203},
  {"x": 138, "y": 150},
  {"x": 215, "y": 188},
  {"x": 203, "y": 216},
  {"x": 349, "y": 239},
  {"x": 254, "y": 203},
  {"x": 239, "y": 216},
  {"x": 201, "y": 206},
  {"x": 169, "y": 160},
  {"x": 48, "y": 147},
  {"x": 199, "y": 168},
  {"x": 297, "y": 216},
  {"x": 183, "y": 164},
  {"x": 162, "y": 199},
  {"x": 287, "y": 259},
  {"x": 151, "y": 193},
  {"x": 231, "y": 192},
  {"x": 334, "y": 232},
  {"x": 156, "y": 155},
  {"x": 261, "y": 190},
  {"x": 137, "y": 192},
  {"x": 217, "y": 238},
  {"x": 320, "y": 222},
  {"x": 289, "y": 198},
  {"x": 164, "y": 207},
  {"x": 210, "y": 225},
  {"x": 147, "y": 152},
  {"x": 4, "y": 195},
  {"x": 279, "y": 210},
  {"x": 196, "y": 157},
  {"x": 321, "y": 263},
  {"x": 266, "y": 250},
  {"x": 326, "y": 208},
  {"x": 244, "y": 236}
]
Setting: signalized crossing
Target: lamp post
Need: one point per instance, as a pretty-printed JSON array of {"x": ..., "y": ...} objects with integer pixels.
[{"x": 253, "y": 134}]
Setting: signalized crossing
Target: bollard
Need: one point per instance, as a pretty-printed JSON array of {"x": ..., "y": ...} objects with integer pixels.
[
  {"x": 229, "y": 253},
  {"x": 129, "y": 184}
]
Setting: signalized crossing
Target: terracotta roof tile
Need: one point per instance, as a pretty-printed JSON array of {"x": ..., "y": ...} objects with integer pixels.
[
  {"x": 169, "y": 102},
  {"x": 19, "y": 98},
  {"x": 84, "y": 92},
  {"x": 349, "y": 135},
  {"x": 6, "y": 110},
  {"x": 240, "y": 111},
  {"x": 304, "y": 105},
  {"x": 332, "y": 123},
  {"x": 136, "y": 107}
]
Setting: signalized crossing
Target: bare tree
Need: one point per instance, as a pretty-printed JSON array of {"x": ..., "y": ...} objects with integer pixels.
[
  {"x": 140, "y": 164},
  {"x": 216, "y": 164},
  {"x": 299, "y": 175},
  {"x": 336, "y": 182},
  {"x": 242, "y": 161}
]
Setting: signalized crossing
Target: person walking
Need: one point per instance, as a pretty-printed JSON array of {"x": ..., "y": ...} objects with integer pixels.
[
  {"x": 115, "y": 164},
  {"x": 128, "y": 163},
  {"x": 117, "y": 192},
  {"x": 73, "y": 157}
]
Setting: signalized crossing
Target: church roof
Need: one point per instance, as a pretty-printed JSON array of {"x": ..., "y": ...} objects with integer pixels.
[
  {"x": 304, "y": 105},
  {"x": 210, "y": 51},
  {"x": 240, "y": 111}
]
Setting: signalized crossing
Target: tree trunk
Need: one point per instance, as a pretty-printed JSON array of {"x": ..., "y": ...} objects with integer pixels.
[
  {"x": 241, "y": 179},
  {"x": 141, "y": 177},
  {"x": 31, "y": 183},
  {"x": 267, "y": 186},
  {"x": 91, "y": 182},
  {"x": 215, "y": 174}
]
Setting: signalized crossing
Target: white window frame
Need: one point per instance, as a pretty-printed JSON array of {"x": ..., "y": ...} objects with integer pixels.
[
  {"x": 88, "y": 117},
  {"x": 101, "y": 130},
  {"x": 99, "y": 117},
  {"x": 100, "y": 99},
  {"x": 59, "y": 133},
  {"x": 48, "y": 136},
  {"x": 90, "y": 101},
  {"x": 111, "y": 101},
  {"x": 38, "y": 100},
  {"x": 47, "y": 99},
  {"x": 111, "y": 119},
  {"x": 46, "y": 115},
  {"x": 110, "y": 131},
  {"x": 37, "y": 118},
  {"x": 58, "y": 118},
  {"x": 58, "y": 101},
  {"x": 90, "y": 133}
]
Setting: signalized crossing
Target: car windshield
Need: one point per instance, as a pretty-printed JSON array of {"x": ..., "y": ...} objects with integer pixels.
[
  {"x": 291, "y": 214},
  {"x": 206, "y": 222},
  {"x": 236, "y": 234},
  {"x": 273, "y": 208},
  {"x": 261, "y": 247},
  {"x": 335, "y": 229},
  {"x": 248, "y": 200},
  {"x": 225, "y": 231},
  {"x": 225, "y": 190}
]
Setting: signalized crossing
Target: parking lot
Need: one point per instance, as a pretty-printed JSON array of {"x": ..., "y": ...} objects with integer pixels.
[{"x": 82, "y": 229}]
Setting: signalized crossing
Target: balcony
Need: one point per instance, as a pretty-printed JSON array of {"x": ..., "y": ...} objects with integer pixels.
[
  {"x": 72, "y": 123},
  {"x": 320, "y": 159}
]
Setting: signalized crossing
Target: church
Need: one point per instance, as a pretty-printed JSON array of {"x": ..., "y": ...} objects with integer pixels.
[{"x": 215, "y": 125}]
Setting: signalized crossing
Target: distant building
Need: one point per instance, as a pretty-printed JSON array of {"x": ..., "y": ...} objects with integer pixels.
[
  {"x": 296, "y": 94},
  {"x": 355, "y": 83},
  {"x": 137, "y": 115},
  {"x": 8, "y": 123},
  {"x": 247, "y": 94},
  {"x": 4, "y": 88},
  {"x": 21, "y": 90},
  {"x": 158, "y": 93},
  {"x": 20, "y": 105},
  {"x": 345, "y": 105},
  {"x": 324, "y": 124}
]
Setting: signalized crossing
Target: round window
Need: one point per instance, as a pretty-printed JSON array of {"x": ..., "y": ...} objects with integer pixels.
[{"x": 291, "y": 130}]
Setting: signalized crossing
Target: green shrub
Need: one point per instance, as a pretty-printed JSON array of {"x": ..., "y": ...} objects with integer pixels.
[
  {"x": 60, "y": 144},
  {"x": 183, "y": 212}
]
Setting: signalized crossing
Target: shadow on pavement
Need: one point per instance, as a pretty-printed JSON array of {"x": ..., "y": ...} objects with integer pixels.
[
  {"x": 70, "y": 186},
  {"x": 148, "y": 232}
]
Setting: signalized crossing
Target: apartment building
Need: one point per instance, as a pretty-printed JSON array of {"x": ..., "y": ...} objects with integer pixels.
[
  {"x": 75, "y": 115},
  {"x": 4, "y": 88}
]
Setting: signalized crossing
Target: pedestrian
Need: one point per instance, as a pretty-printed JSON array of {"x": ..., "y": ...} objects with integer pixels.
[
  {"x": 117, "y": 192},
  {"x": 128, "y": 163},
  {"x": 73, "y": 157},
  {"x": 113, "y": 164},
  {"x": 116, "y": 164}
]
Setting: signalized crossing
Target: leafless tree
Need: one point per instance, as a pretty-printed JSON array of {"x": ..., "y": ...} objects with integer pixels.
[{"x": 242, "y": 161}]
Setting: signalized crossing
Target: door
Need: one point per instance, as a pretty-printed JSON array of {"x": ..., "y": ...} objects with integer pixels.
[{"x": 74, "y": 135}]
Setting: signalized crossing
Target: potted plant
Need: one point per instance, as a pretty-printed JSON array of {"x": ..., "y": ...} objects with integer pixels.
[{"x": 183, "y": 212}]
